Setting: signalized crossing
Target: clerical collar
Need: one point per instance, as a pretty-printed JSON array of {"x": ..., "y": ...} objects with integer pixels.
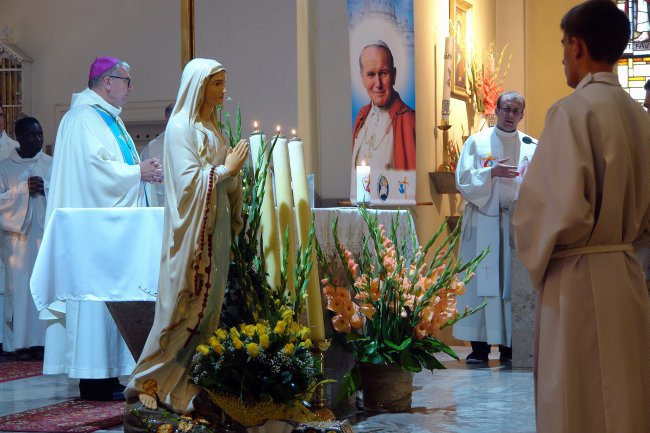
[
  {"x": 502, "y": 133},
  {"x": 378, "y": 110}
]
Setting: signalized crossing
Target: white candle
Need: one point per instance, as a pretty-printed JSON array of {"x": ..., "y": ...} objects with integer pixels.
[
  {"x": 255, "y": 141},
  {"x": 446, "y": 86},
  {"x": 268, "y": 220},
  {"x": 303, "y": 220},
  {"x": 363, "y": 183},
  {"x": 284, "y": 199}
]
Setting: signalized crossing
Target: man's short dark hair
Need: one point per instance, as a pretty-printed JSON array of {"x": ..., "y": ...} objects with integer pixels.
[
  {"x": 603, "y": 27},
  {"x": 21, "y": 124},
  {"x": 508, "y": 96}
]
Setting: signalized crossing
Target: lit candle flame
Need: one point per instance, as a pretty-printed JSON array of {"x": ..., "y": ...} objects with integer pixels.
[
  {"x": 255, "y": 124},
  {"x": 293, "y": 132},
  {"x": 277, "y": 129},
  {"x": 363, "y": 163}
]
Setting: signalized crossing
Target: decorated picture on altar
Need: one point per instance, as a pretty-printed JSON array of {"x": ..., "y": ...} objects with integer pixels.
[
  {"x": 458, "y": 16},
  {"x": 382, "y": 73}
]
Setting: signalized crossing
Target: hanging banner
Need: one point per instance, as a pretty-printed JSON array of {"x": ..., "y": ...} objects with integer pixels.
[{"x": 382, "y": 72}]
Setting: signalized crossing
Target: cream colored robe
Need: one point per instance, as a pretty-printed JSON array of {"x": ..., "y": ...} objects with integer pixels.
[
  {"x": 7, "y": 144},
  {"x": 589, "y": 185},
  {"x": 155, "y": 191},
  {"x": 197, "y": 210}
]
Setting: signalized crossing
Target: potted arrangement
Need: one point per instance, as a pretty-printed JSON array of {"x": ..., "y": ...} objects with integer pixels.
[
  {"x": 486, "y": 82},
  {"x": 390, "y": 308}
]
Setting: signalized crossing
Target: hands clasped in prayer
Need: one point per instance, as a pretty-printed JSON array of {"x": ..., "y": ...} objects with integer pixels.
[
  {"x": 503, "y": 170},
  {"x": 36, "y": 185},
  {"x": 236, "y": 157},
  {"x": 151, "y": 170}
]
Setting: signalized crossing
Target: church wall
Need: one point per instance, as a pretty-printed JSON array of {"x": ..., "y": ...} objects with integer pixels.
[
  {"x": 63, "y": 38},
  {"x": 256, "y": 42},
  {"x": 545, "y": 81}
]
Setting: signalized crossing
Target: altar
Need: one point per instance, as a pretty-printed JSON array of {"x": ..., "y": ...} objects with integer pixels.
[{"x": 113, "y": 255}]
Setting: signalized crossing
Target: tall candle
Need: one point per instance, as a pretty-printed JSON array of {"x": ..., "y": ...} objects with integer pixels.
[
  {"x": 363, "y": 183},
  {"x": 446, "y": 92},
  {"x": 268, "y": 220},
  {"x": 284, "y": 199},
  {"x": 303, "y": 220}
]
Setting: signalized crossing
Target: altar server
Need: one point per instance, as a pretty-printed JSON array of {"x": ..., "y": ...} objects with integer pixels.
[
  {"x": 24, "y": 177},
  {"x": 584, "y": 208},
  {"x": 96, "y": 165},
  {"x": 489, "y": 173}
]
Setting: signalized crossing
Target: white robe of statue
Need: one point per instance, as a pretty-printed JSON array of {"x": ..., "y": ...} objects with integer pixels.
[
  {"x": 89, "y": 172},
  {"x": 486, "y": 223},
  {"x": 22, "y": 219},
  {"x": 7, "y": 144},
  {"x": 203, "y": 203}
]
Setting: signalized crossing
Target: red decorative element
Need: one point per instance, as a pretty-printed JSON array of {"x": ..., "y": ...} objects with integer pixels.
[
  {"x": 20, "y": 370},
  {"x": 199, "y": 284},
  {"x": 70, "y": 416}
]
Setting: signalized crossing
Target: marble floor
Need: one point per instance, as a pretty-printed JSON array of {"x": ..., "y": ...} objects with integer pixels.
[{"x": 493, "y": 398}]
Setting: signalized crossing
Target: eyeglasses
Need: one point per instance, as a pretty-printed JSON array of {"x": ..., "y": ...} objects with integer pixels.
[
  {"x": 127, "y": 79},
  {"x": 508, "y": 110}
]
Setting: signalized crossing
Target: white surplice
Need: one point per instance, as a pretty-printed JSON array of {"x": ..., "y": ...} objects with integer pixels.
[
  {"x": 89, "y": 171},
  {"x": 22, "y": 218},
  {"x": 155, "y": 191},
  {"x": 7, "y": 144},
  {"x": 486, "y": 223},
  {"x": 589, "y": 186}
]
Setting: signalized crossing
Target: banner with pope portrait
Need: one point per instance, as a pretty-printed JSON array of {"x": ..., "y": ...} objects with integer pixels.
[{"x": 382, "y": 73}]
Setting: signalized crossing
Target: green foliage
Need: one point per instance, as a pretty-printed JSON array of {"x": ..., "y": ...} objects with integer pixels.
[{"x": 399, "y": 301}]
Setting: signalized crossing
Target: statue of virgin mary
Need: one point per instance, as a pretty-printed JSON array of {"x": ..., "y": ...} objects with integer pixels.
[{"x": 203, "y": 210}]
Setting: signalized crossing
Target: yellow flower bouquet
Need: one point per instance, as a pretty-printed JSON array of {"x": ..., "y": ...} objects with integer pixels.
[{"x": 393, "y": 303}]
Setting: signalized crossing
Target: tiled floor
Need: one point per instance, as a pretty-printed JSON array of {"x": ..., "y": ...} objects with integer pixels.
[{"x": 461, "y": 399}]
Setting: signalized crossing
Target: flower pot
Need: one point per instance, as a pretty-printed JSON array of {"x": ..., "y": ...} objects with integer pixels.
[{"x": 386, "y": 387}]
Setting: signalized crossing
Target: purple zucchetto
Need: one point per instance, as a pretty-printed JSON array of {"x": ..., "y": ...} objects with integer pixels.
[{"x": 101, "y": 65}]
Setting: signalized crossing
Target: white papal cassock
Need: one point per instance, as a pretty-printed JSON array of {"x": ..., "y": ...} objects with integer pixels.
[
  {"x": 89, "y": 171},
  {"x": 22, "y": 218}
]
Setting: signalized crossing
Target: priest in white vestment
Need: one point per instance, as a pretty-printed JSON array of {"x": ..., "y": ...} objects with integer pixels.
[
  {"x": 95, "y": 165},
  {"x": 491, "y": 166},
  {"x": 7, "y": 144},
  {"x": 24, "y": 181},
  {"x": 583, "y": 209},
  {"x": 154, "y": 149},
  {"x": 204, "y": 200}
]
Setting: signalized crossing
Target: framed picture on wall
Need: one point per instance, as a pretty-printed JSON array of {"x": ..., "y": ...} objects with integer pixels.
[{"x": 458, "y": 17}]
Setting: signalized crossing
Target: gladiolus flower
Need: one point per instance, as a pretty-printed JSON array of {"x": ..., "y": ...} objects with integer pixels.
[
  {"x": 356, "y": 321},
  {"x": 341, "y": 324},
  {"x": 367, "y": 310}
]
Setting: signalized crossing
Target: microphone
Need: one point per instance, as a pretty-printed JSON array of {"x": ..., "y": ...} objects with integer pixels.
[{"x": 528, "y": 140}]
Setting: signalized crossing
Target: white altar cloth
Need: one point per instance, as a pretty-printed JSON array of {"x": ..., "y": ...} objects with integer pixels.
[
  {"x": 113, "y": 254},
  {"x": 99, "y": 255}
]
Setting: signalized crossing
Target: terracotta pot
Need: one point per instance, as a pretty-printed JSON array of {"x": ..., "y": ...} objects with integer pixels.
[{"x": 386, "y": 387}]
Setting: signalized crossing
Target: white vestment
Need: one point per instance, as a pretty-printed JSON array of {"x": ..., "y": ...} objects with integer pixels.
[
  {"x": 486, "y": 223},
  {"x": 22, "y": 218},
  {"x": 154, "y": 149},
  {"x": 89, "y": 171},
  {"x": 7, "y": 144}
]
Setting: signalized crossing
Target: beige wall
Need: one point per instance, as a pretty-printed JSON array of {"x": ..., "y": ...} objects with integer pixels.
[{"x": 545, "y": 81}]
